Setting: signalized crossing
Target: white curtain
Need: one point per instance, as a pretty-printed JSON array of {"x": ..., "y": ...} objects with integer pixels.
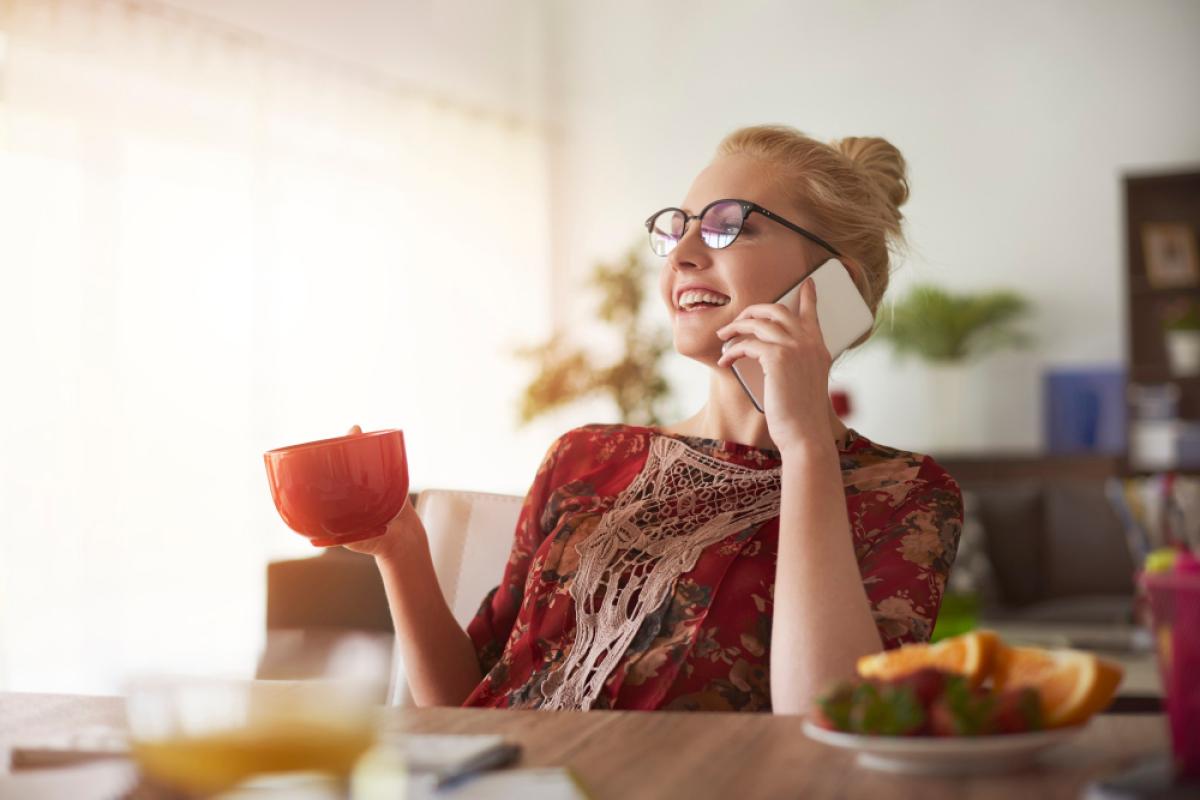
[{"x": 210, "y": 248}]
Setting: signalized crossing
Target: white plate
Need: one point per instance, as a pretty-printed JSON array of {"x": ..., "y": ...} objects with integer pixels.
[{"x": 944, "y": 755}]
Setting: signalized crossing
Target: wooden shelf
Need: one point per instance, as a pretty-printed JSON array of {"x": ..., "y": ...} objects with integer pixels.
[
  {"x": 1158, "y": 373},
  {"x": 1172, "y": 291},
  {"x": 1140, "y": 285},
  {"x": 1149, "y": 198}
]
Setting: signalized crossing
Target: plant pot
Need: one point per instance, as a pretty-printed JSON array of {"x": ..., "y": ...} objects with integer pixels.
[
  {"x": 947, "y": 407},
  {"x": 1183, "y": 352}
]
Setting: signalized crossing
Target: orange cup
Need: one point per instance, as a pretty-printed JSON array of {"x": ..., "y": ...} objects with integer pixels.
[{"x": 336, "y": 491}]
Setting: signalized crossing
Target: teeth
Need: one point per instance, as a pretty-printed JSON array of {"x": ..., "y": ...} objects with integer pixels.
[{"x": 694, "y": 296}]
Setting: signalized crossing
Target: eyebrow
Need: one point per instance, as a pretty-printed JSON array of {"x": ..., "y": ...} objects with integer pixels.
[{"x": 688, "y": 211}]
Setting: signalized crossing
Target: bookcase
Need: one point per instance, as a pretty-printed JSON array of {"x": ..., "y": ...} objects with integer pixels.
[{"x": 1169, "y": 197}]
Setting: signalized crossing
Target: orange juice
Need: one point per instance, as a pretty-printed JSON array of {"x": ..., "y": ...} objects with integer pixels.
[{"x": 217, "y": 761}]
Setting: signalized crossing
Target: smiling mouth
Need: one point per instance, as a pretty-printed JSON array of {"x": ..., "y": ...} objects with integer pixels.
[{"x": 697, "y": 300}]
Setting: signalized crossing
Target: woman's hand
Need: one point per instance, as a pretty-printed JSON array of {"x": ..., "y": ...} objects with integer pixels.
[
  {"x": 795, "y": 365},
  {"x": 438, "y": 656},
  {"x": 403, "y": 533}
]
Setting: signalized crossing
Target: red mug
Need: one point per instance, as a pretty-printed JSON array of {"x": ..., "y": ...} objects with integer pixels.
[{"x": 336, "y": 491}]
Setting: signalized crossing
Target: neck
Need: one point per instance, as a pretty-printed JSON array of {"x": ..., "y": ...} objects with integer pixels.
[{"x": 730, "y": 415}]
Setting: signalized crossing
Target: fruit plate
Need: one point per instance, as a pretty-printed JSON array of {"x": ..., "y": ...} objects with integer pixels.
[{"x": 944, "y": 755}]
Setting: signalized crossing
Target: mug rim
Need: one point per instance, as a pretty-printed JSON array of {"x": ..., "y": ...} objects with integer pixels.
[{"x": 325, "y": 442}]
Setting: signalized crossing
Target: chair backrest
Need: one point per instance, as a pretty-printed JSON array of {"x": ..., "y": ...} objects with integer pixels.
[{"x": 470, "y": 536}]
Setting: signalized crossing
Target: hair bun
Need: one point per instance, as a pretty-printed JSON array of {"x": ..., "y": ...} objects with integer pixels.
[{"x": 880, "y": 159}]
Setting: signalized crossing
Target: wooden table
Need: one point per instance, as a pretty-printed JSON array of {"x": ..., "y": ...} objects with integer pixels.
[{"x": 665, "y": 755}]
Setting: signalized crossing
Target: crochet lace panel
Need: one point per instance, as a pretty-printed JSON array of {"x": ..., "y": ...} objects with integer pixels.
[{"x": 680, "y": 503}]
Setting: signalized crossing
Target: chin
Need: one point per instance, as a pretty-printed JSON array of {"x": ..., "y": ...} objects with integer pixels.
[{"x": 697, "y": 348}]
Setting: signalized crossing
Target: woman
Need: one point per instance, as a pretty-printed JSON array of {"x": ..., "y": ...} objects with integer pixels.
[{"x": 736, "y": 560}]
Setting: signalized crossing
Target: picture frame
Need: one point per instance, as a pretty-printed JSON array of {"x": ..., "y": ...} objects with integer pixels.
[{"x": 1170, "y": 253}]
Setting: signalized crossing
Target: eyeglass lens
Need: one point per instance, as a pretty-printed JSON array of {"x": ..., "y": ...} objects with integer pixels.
[{"x": 719, "y": 226}]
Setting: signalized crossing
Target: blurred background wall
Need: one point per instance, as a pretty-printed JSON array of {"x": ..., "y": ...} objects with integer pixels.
[
  {"x": 229, "y": 225},
  {"x": 1017, "y": 120},
  {"x": 217, "y": 238}
]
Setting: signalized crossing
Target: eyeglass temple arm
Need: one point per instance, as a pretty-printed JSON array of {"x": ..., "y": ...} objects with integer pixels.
[{"x": 810, "y": 236}]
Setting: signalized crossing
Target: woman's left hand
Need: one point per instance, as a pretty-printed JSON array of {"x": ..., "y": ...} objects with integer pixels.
[{"x": 795, "y": 365}]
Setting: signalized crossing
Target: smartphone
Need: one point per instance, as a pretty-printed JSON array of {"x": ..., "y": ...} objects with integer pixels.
[{"x": 843, "y": 314}]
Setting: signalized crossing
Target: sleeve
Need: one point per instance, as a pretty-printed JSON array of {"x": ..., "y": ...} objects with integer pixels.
[
  {"x": 492, "y": 624},
  {"x": 908, "y": 561}
]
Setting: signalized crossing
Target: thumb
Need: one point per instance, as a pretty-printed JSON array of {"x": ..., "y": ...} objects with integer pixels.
[{"x": 354, "y": 431}]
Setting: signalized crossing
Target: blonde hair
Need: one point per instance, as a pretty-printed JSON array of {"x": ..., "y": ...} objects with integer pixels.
[{"x": 852, "y": 189}]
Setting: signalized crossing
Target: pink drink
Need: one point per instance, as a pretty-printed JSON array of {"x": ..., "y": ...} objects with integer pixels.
[{"x": 1175, "y": 607}]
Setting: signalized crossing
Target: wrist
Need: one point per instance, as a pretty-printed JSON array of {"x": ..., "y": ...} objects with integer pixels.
[
  {"x": 806, "y": 451},
  {"x": 404, "y": 539},
  {"x": 396, "y": 549}
]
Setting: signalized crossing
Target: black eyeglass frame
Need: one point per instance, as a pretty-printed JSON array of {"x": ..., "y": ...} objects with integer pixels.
[{"x": 748, "y": 208}]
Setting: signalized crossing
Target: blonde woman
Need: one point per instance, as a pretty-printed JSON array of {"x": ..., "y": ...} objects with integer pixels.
[{"x": 736, "y": 560}]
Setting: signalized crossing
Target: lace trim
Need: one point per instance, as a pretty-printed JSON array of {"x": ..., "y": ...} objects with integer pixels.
[{"x": 680, "y": 503}]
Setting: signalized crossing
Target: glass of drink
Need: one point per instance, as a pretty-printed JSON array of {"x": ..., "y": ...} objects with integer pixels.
[{"x": 1175, "y": 610}]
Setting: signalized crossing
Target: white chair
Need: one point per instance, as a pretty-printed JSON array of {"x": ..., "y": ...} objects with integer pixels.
[{"x": 470, "y": 536}]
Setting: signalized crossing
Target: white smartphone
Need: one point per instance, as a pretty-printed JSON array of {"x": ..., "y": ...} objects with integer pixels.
[{"x": 843, "y": 314}]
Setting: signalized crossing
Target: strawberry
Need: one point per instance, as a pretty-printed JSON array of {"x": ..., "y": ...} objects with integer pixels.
[
  {"x": 1017, "y": 711},
  {"x": 929, "y": 701},
  {"x": 886, "y": 709},
  {"x": 832, "y": 710},
  {"x": 961, "y": 710},
  {"x": 928, "y": 683}
]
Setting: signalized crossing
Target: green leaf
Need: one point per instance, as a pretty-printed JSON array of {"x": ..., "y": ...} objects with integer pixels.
[
  {"x": 885, "y": 710},
  {"x": 971, "y": 712},
  {"x": 1182, "y": 314},
  {"x": 836, "y": 705},
  {"x": 938, "y": 325}
]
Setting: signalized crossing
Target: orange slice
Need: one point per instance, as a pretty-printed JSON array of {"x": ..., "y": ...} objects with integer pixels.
[
  {"x": 970, "y": 654},
  {"x": 1073, "y": 685}
]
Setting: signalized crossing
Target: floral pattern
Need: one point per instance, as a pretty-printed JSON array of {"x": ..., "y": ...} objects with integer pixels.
[{"x": 707, "y": 646}]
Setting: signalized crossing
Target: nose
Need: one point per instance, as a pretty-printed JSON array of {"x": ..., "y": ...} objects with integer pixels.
[{"x": 690, "y": 252}]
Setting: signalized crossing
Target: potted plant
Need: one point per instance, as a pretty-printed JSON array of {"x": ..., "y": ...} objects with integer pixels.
[
  {"x": 942, "y": 327},
  {"x": 1181, "y": 324},
  {"x": 634, "y": 381},
  {"x": 948, "y": 331}
]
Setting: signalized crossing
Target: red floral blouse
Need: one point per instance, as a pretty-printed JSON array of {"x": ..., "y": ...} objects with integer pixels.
[{"x": 703, "y": 642}]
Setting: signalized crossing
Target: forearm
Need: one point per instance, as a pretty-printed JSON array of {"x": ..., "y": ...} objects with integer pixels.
[
  {"x": 439, "y": 658},
  {"x": 822, "y": 619}
]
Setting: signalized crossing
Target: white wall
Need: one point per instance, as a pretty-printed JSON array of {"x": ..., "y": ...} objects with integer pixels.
[
  {"x": 487, "y": 53},
  {"x": 1017, "y": 120}
]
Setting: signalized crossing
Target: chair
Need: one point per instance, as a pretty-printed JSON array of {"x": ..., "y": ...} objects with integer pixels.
[{"x": 470, "y": 536}]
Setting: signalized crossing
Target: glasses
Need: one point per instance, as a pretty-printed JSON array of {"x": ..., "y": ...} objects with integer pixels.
[{"x": 720, "y": 223}]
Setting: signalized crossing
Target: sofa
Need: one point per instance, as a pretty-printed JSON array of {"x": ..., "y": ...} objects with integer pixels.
[{"x": 1055, "y": 546}]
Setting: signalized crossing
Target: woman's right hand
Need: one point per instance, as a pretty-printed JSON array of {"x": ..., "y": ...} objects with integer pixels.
[{"x": 403, "y": 532}]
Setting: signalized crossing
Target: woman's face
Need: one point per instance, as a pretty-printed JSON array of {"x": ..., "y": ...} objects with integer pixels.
[{"x": 763, "y": 262}]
